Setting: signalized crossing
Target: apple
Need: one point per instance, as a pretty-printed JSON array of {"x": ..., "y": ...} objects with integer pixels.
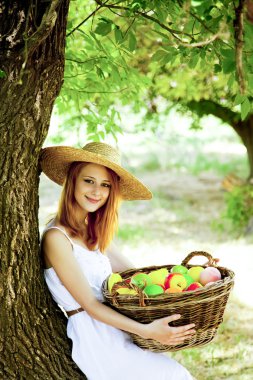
[
  {"x": 179, "y": 269},
  {"x": 113, "y": 279},
  {"x": 174, "y": 280},
  {"x": 189, "y": 279},
  {"x": 141, "y": 280},
  {"x": 158, "y": 276},
  {"x": 174, "y": 290},
  {"x": 126, "y": 290},
  {"x": 194, "y": 286},
  {"x": 153, "y": 290},
  {"x": 209, "y": 274},
  {"x": 194, "y": 272}
]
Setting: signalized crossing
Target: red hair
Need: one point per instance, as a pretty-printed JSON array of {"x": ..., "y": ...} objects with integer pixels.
[{"x": 102, "y": 224}]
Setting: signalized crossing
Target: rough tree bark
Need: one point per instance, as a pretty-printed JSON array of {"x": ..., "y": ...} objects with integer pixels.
[
  {"x": 244, "y": 128},
  {"x": 33, "y": 343}
]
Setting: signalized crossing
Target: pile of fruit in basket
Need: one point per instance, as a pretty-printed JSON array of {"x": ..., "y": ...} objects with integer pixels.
[{"x": 161, "y": 281}]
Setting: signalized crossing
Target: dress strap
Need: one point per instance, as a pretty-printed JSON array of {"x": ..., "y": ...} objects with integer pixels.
[{"x": 58, "y": 228}]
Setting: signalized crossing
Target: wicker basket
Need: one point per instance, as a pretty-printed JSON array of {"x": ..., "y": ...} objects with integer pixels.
[{"x": 204, "y": 306}]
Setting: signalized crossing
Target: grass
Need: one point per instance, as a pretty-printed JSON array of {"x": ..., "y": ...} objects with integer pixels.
[
  {"x": 197, "y": 162},
  {"x": 132, "y": 233},
  {"x": 229, "y": 355}
]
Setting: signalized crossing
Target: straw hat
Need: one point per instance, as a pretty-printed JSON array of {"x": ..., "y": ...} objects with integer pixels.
[{"x": 55, "y": 162}]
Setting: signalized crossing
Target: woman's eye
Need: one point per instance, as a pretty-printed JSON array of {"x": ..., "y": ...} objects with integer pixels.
[
  {"x": 88, "y": 181},
  {"x": 106, "y": 185}
]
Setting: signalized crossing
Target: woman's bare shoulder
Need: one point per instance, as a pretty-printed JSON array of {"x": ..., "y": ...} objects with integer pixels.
[{"x": 53, "y": 236}]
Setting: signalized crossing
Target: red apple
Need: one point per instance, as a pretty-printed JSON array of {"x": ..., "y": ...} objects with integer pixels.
[
  {"x": 194, "y": 286},
  {"x": 174, "y": 280}
]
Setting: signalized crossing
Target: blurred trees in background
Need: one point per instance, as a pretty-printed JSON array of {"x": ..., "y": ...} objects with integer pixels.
[{"x": 195, "y": 56}]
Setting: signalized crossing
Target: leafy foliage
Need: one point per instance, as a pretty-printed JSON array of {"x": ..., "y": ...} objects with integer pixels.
[
  {"x": 239, "y": 208},
  {"x": 138, "y": 52}
]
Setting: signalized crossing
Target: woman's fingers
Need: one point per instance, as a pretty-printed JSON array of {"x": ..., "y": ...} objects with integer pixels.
[
  {"x": 182, "y": 329},
  {"x": 170, "y": 318},
  {"x": 176, "y": 339}
]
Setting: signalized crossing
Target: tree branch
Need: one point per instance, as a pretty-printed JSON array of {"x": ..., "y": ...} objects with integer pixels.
[
  {"x": 98, "y": 92},
  {"x": 209, "y": 107},
  {"x": 87, "y": 60},
  {"x": 238, "y": 26},
  {"x": 144, "y": 15},
  {"x": 87, "y": 18},
  {"x": 249, "y": 5},
  {"x": 46, "y": 26},
  {"x": 201, "y": 43}
]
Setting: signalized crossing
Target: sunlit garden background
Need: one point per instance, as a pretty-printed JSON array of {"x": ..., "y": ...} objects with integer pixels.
[
  {"x": 185, "y": 170},
  {"x": 170, "y": 85}
]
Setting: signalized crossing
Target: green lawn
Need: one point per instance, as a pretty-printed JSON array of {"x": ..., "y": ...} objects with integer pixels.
[{"x": 229, "y": 355}]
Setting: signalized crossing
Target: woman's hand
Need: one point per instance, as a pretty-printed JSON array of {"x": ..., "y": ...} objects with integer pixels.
[{"x": 161, "y": 331}]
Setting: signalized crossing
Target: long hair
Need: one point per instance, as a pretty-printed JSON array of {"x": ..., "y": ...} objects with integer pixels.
[{"x": 102, "y": 224}]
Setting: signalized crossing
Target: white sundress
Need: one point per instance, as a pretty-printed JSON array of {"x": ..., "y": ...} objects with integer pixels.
[{"x": 101, "y": 351}]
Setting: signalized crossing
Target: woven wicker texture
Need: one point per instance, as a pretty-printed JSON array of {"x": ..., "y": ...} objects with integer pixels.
[
  {"x": 204, "y": 306},
  {"x": 56, "y": 160}
]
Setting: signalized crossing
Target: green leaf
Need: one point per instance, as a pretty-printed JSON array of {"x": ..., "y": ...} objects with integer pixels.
[
  {"x": 250, "y": 82},
  {"x": 228, "y": 53},
  {"x": 161, "y": 14},
  {"x": 102, "y": 134},
  {"x": 100, "y": 73},
  {"x": 106, "y": 19},
  {"x": 245, "y": 108},
  {"x": 193, "y": 61},
  {"x": 239, "y": 99},
  {"x": 118, "y": 35},
  {"x": 2, "y": 74},
  {"x": 115, "y": 74},
  {"x": 159, "y": 54},
  {"x": 231, "y": 81},
  {"x": 103, "y": 28},
  {"x": 228, "y": 65},
  {"x": 132, "y": 41},
  {"x": 217, "y": 68}
]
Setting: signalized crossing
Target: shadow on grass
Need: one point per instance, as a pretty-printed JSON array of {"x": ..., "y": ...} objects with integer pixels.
[{"x": 229, "y": 355}]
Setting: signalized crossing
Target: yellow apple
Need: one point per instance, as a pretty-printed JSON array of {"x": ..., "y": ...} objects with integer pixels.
[{"x": 113, "y": 279}]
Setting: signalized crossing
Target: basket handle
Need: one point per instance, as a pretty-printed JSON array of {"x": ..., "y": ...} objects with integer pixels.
[
  {"x": 140, "y": 293},
  {"x": 211, "y": 261}
]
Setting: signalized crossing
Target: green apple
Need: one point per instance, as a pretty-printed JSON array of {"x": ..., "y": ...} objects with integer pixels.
[
  {"x": 153, "y": 290},
  {"x": 113, "y": 279},
  {"x": 179, "y": 269},
  {"x": 189, "y": 279},
  {"x": 141, "y": 280},
  {"x": 194, "y": 272},
  {"x": 158, "y": 276}
]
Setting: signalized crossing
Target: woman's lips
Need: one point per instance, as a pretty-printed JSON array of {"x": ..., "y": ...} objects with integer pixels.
[{"x": 92, "y": 200}]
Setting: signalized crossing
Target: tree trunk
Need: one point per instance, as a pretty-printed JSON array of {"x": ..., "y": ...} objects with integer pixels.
[
  {"x": 245, "y": 130},
  {"x": 33, "y": 343}
]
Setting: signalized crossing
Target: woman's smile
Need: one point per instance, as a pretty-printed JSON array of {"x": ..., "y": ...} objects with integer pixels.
[{"x": 92, "y": 200}]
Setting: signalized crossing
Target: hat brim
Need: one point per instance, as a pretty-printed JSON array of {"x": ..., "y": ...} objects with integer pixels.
[{"x": 55, "y": 162}]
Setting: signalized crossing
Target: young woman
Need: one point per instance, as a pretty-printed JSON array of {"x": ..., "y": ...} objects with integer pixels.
[{"x": 78, "y": 255}]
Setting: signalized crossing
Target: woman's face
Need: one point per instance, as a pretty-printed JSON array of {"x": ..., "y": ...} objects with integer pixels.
[{"x": 92, "y": 187}]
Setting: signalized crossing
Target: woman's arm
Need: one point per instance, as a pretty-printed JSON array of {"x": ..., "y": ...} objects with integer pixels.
[
  {"x": 58, "y": 252},
  {"x": 118, "y": 261}
]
